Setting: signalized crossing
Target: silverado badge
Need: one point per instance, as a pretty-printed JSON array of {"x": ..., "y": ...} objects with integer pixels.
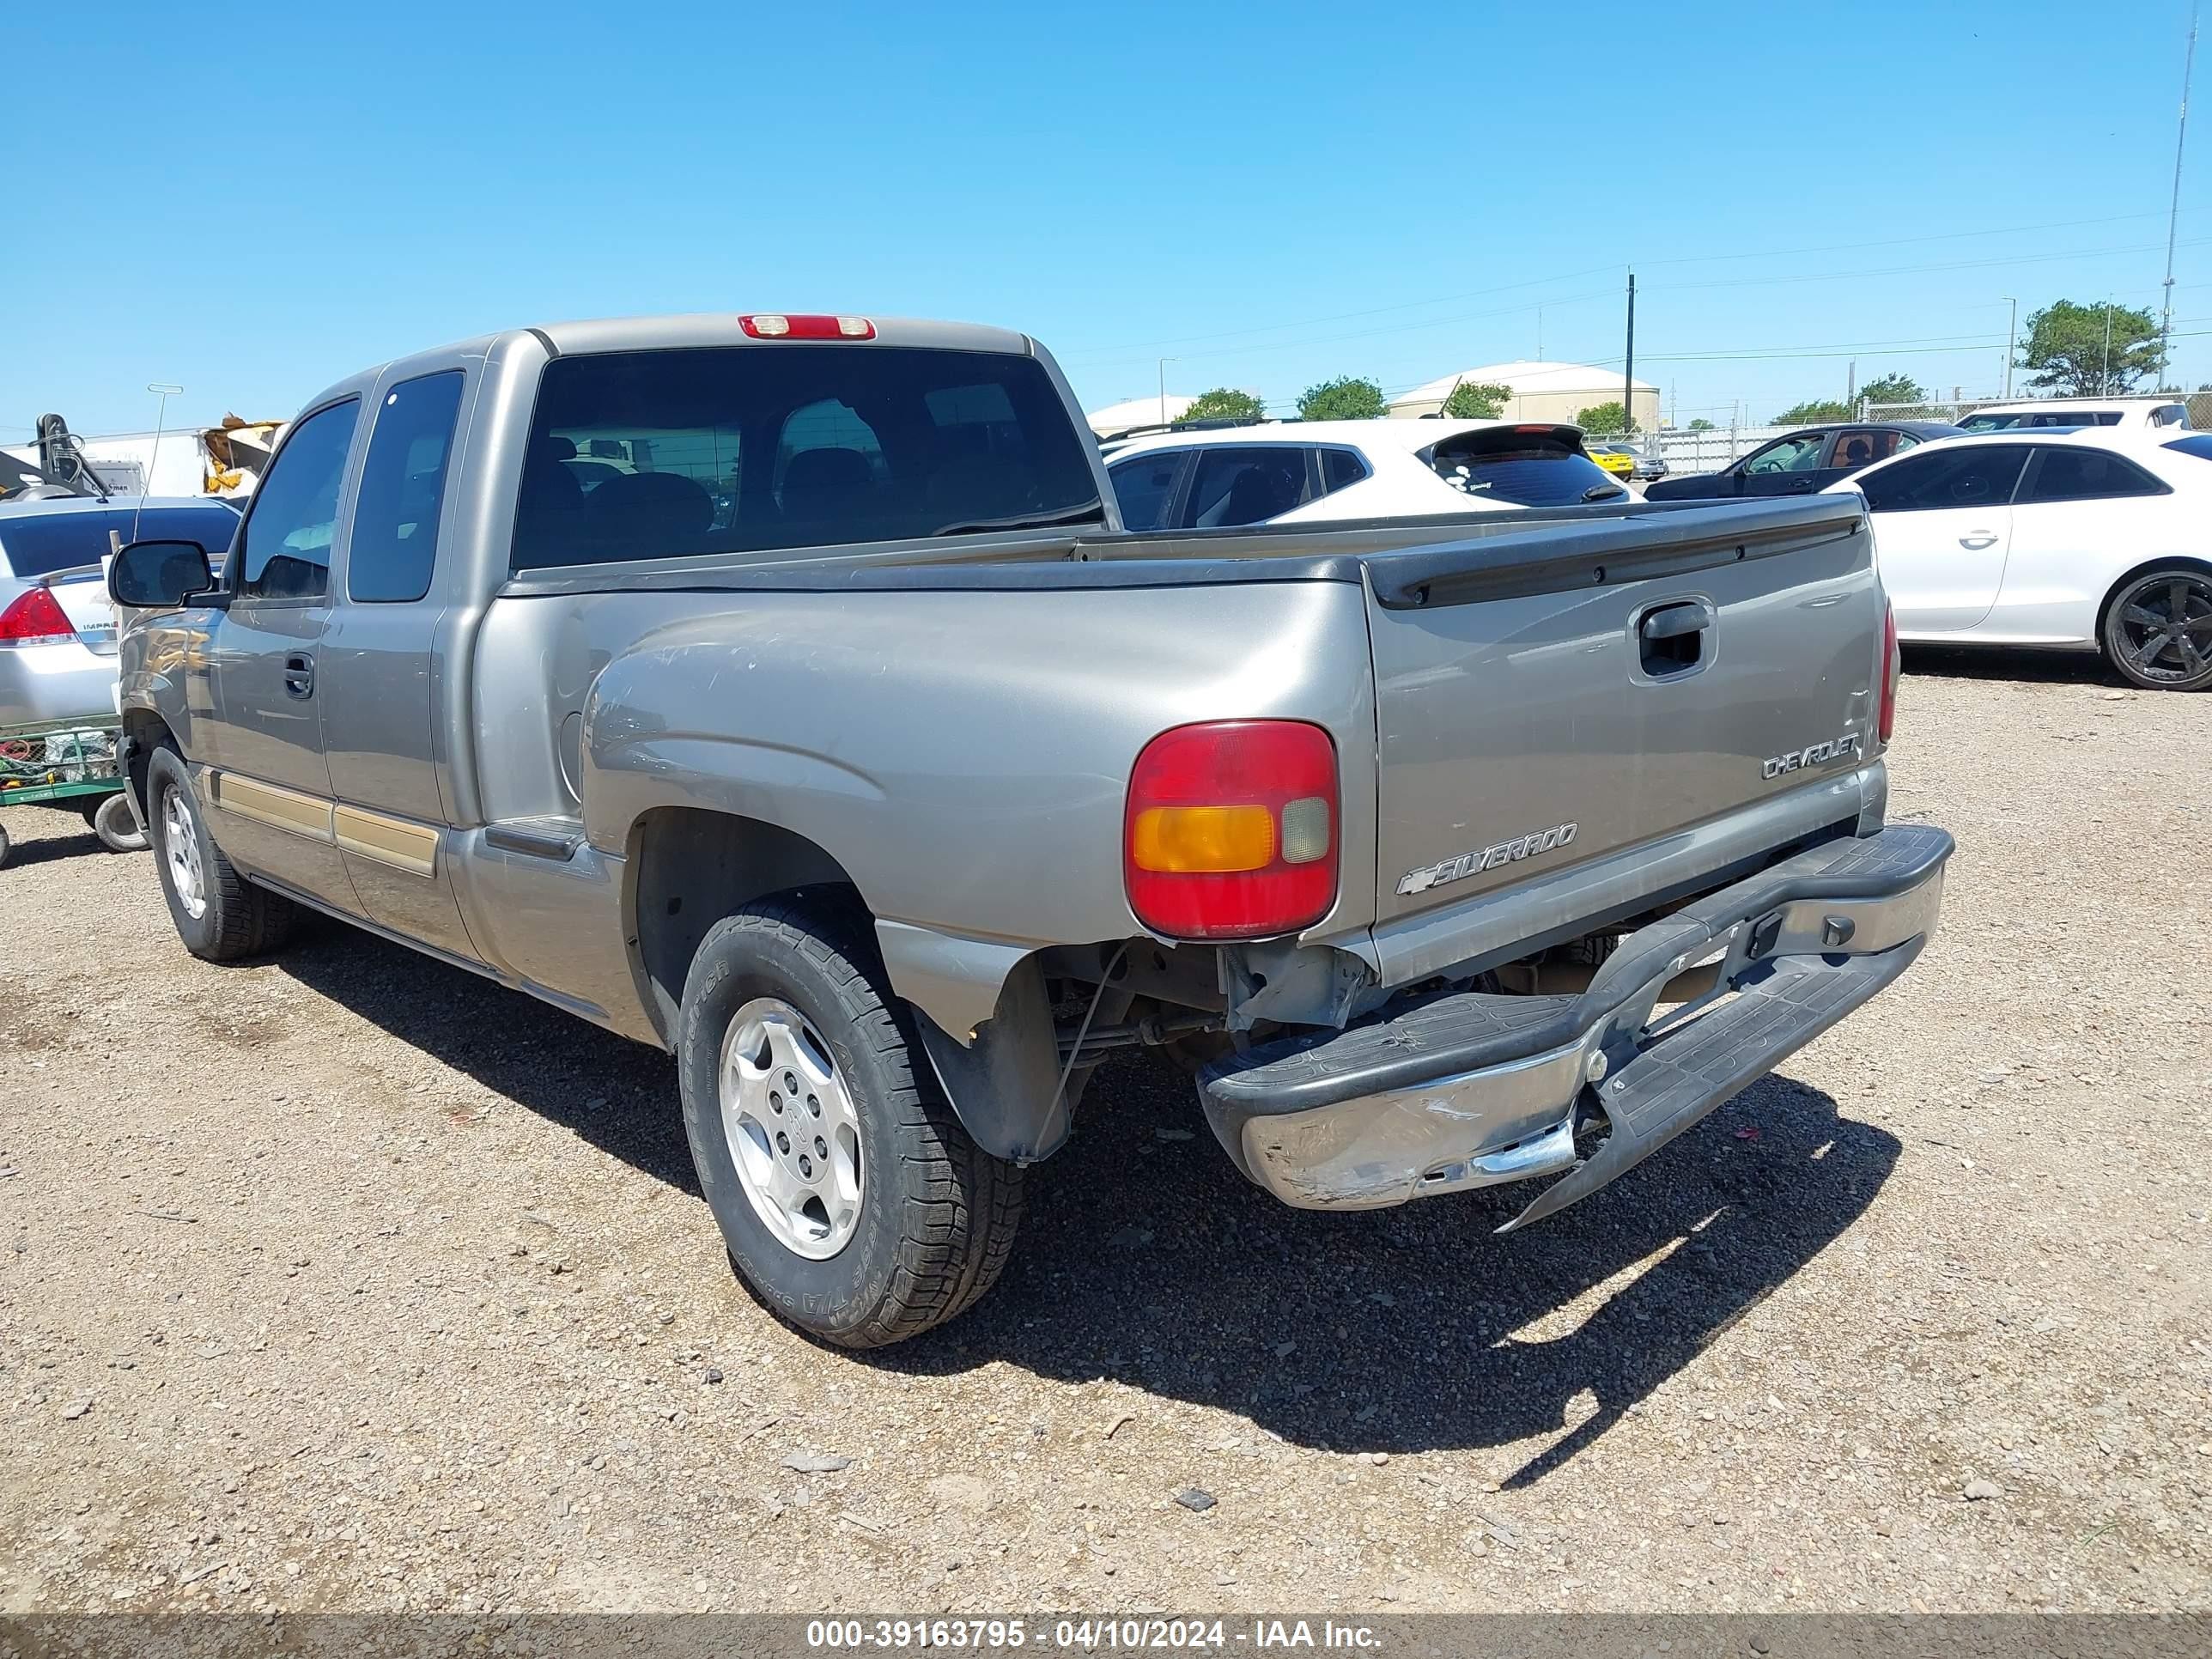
[{"x": 1489, "y": 858}]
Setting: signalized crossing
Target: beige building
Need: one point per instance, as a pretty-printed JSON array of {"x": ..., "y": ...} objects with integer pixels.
[{"x": 1542, "y": 391}]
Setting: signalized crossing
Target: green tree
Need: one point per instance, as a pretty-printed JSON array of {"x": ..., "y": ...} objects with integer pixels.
[
  {"x": 1473, "y": 401},
  {"x": 1605, "y": 421},
  {"x": 1895, "y": 388},
  {"x": 1813, "y": 413},
  {"x": 2066, "y": 349},
  {"x": 1343, "y": 398},
  {"x": 1223, "y": 403},
  {"x": 1701, "y": 424}
]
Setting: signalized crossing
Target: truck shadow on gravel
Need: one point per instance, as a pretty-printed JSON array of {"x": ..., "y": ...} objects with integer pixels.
[
  {"x": 1146, "y": 1258},
  {"x": 1152, "y": 1262}
]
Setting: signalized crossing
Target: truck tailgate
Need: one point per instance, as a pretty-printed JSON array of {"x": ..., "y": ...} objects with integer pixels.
[{"x": 1550, "y": 696}]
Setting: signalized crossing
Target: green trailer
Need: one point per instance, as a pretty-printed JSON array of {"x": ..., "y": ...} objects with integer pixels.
[{"x": 69, "y": 764}]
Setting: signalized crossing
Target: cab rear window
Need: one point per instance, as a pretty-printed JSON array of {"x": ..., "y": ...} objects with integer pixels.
[
  {"x": 658, "y": 454},
  {"x": 1538, "y": 466}
]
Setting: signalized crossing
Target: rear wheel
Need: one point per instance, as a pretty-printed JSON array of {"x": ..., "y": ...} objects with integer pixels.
[
  {"x": 853, "y": 1203},
  {"x": 2158, "y": 630},
  {"x": 220, "y": 916}
]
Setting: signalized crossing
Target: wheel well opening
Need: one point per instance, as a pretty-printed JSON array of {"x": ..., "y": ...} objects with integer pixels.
[
  {"x": 692, "y": 868},
  {"x": 2172, "y": 561}
]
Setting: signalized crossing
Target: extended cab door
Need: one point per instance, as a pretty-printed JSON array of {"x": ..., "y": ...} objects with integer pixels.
[
  {"x": 382, "y": 671},
  {"x": 269, "y": 784}
]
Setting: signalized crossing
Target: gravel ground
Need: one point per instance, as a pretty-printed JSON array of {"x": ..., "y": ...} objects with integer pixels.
[{"x": 347, "y": 1282}]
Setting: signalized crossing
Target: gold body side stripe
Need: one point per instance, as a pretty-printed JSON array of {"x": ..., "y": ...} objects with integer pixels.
[
  {"x": 268, "y": 803},
  {"x": 394, "y": 842}
]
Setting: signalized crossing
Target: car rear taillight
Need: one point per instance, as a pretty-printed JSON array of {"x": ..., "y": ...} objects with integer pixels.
[
  {"x": 1892, "y": 667},
  {"x": 791, "y": 325},
  {"x": 1231, "y": 831},
  {"x": 35, "y": 618}
]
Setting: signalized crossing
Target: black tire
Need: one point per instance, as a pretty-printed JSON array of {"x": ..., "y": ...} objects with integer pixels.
[
  {"x": 1590, "y": 950},
  {"x": 6, "y": 845},
  {"x": 236, "y": 919},
  {"x": 936, "y": 1216},
  {"x": 2158, "y": 630},
  {"x": 118, "y": 830}
]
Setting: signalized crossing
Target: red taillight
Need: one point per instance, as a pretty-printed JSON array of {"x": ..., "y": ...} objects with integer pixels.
[
  {"x": 35, "y": 618},
  {"x": 1891, "y": 666},
  {"x": 792, "y": 325},
  {"x": 1231, "y": 831}
]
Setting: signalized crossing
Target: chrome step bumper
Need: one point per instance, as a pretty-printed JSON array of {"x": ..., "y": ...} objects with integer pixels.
[{"x": 1475, "y": 1090}]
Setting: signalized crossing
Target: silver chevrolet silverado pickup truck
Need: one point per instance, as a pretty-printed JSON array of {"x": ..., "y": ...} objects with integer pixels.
[{"x": 783, "y": 691}]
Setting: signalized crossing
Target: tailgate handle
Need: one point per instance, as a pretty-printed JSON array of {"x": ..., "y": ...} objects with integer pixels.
[{"x": 1671, "y": 638}]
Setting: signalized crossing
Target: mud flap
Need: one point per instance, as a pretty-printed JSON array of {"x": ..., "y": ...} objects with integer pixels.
[
  {"x": 1004, "y": 1086},
  {"x": 1685, "y": 1076}
]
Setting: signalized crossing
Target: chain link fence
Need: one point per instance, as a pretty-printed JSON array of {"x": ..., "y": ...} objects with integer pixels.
[
  {"x": 2198, "y": 404},
  {"x": 1710, "y": 449}
]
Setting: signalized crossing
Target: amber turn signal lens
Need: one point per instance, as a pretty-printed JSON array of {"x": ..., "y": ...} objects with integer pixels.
[{"x": 1185, "y": 840}]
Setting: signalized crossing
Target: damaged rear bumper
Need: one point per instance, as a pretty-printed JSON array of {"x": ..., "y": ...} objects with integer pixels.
[{"x": 1473, "y": 1090}]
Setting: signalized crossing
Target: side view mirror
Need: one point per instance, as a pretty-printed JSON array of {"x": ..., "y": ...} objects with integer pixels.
[{"x": 152, "y": 575}]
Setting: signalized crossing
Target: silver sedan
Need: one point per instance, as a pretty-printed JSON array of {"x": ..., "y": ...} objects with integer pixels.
[{"x": 56, "y": 630}]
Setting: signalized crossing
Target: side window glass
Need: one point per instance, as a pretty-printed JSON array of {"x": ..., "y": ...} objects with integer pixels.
[
  {"x": 403, "y": 487},
  {"x": 1340, "y": 469},
  {"x": 1143, "y": 487},
  {"x": 1946, "y": 477},
  {"x": 2067, "y": 474},
  {"x": 1796, "y": 454},
  {"x": 285, "y": 550},
  {"x": 1863, "y": 447},
  {"x": 1247, "y": 485}
]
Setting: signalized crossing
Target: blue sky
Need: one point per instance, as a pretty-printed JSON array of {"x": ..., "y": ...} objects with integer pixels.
[{"x": 1270, "y": 195}]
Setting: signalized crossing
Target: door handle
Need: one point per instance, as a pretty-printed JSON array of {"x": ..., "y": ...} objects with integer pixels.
[
  {"x": 1801, "y": 486},
  {"x": 1979, "y": 539},
  {"x": 1671, "y": 638},
  {"x": 299, "y": 675}
]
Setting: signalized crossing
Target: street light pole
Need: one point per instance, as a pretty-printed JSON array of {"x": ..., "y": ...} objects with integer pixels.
[
  {"x": 166, "y": 392},
  {"x": 2012, "y": 334},
  {"x": 1628, "y": 372},
  {"x": 2174, "y": 213},
  {"x": 1164, "y": 362},
  {"x": 2105, "y": 373}
]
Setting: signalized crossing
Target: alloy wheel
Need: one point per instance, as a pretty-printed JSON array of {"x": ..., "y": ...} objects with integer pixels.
[
  {"x": 180, "y": 848},
  {"x": 2163, "y": 627},
  {"x": 793, "y": 1132}
]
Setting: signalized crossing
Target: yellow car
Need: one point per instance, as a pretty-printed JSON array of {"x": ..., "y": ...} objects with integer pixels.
[{"x": 1616, "y": 459}]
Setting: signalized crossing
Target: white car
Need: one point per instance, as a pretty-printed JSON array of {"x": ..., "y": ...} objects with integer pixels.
[
  {"x": 2128, "y": 413},
  {"x": 1310, "y": 470},
  {"x": 2090, "y": 539}
]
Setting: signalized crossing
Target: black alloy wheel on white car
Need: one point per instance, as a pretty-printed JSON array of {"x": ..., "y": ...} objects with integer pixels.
[{"x": 2158, "y": 630}]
